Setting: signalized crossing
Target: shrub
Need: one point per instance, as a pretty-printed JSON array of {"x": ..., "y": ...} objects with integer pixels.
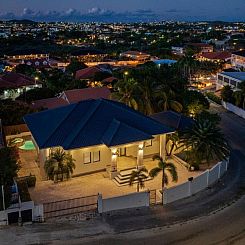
[
  {"x": 213, "y": 97},
  {"x": 31, "y": 180},
  {"x": 23, "y": 191}
]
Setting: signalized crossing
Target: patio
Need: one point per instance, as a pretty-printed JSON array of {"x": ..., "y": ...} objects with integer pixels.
[{"x": 47, "y": 191}]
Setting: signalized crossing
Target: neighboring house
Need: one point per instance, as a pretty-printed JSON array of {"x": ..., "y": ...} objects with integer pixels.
[
  {"x": 229, "y": 78},
  {"x": 201, "y": 47},
  {"x": 96, "y": 133},
  {"x": 136, "y": 55},
  {"x": 88, "y": 55},
  {"x": 13, "y": 84},
  {"x": 238, "y": 59},
  {"x": 72, "y": 96},
  {"x": 76, "y": 95},
  {"x": 222, "y": 56},
  {"x": 87, "y": 73}
]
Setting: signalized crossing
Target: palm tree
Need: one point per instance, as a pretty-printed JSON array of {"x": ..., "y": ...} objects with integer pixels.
[
  {"x": 164, "y": 167},
  {"x": 126, "y": 92},
  {"x": 61, "y": 163},
  {"x": 205, "y": 141},
  {"x": 168, "y": 103},
  {"x": 139, "y": 176}
]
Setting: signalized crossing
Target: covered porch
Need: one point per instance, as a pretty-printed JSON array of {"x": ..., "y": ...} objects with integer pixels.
[{"x": 135, "y": 155}]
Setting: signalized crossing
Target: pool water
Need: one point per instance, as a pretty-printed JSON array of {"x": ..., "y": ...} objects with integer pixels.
[{"x": 28, "y": 145}]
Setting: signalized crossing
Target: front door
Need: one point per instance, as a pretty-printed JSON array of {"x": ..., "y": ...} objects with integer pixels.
[{"x": 122, "y": 151}]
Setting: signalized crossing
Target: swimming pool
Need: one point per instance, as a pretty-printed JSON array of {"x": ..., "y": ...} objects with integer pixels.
[{"x": 28, "y": 145}]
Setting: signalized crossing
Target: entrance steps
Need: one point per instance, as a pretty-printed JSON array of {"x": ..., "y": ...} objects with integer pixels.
[{"x": 123, "y": 178}]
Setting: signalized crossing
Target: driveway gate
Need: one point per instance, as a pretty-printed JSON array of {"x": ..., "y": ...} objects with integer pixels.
[{"x": 70, "y": 206}]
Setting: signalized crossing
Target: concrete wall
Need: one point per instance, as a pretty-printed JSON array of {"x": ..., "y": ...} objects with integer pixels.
[
  {"x": 199, "y": 183},
  {"x": 176, "y": 193},
  {"x": 238, "y": 111},
  {"x": 133, "y": 200},
  {"x": 213, "y": 174}
]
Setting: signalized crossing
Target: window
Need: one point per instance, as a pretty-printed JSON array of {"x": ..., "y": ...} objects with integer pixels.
[
  {"x": 148, "y": 143},
  {"x": 226, "y": 79},
  {"x": 87, "y": 157},
  {"x": 96, "y": 156},
  {"x": 232, "y": 82}
]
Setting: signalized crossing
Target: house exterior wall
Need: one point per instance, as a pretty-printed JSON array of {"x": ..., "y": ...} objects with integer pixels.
[
  {"x": 82, "y": 167},
  {"x": 86, "y": 159},
  {"x": 223, "y": 80}
]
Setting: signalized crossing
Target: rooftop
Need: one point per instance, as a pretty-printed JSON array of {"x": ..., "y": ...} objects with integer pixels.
[
  {"x": 92, "y": 122},
  {"x": 236, "y": 75}
]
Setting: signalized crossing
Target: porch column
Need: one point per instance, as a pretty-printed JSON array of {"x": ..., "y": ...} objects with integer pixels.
[
  {"x": 140, "y": 155},
  {"x": 113, "y": 159},
  {"x": 163, "y": 146}
]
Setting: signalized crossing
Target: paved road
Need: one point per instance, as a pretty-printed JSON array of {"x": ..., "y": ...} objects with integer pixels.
[{"x": 217, "y": 214}]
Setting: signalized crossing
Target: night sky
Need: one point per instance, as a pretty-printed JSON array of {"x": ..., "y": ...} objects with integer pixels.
[{"x": 123, "y": 10}]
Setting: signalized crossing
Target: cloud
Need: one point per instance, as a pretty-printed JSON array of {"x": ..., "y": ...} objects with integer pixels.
[{"x": 92, "y": 14}]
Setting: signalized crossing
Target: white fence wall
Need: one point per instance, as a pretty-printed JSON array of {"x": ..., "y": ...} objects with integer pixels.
[
  {"x": 177, "y": 192},
  {"x": 199, "y": 183},
  {"x": 133, "y": 200},
  {"x": 3, "y": 218},
  {"x": 37, "y": 213},
  {"x": 238, "y": 111},
  {"x": 213, "y": 174}
]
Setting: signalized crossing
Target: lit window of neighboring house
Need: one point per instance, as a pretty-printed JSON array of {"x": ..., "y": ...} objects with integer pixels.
[
  {"x": 233, "y": 83},
  {"x": 87, "y": 157},
  {"x": 148, "y": 143}
]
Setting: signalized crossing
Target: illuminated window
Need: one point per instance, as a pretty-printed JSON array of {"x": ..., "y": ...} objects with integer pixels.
[
  {"x": 87, "y": 157},
  {"x": 148, "y": 143},
  {"x": 96, "y": 156}
]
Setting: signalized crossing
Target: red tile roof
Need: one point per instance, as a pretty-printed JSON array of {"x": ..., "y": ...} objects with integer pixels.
[
  {"x": 72, "y": 96},
  {"x": 15, "y": 80},
  {"x": 76, "y": 95},
  {"x": 216, "y": 55},
  {"x": 49, "y": 103},
  {"x": 87, "y": 73}
]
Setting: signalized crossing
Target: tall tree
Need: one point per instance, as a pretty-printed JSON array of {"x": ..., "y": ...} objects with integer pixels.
[
  {"x": 164, "y": 167},
  {"x": 205, "y": 141}
]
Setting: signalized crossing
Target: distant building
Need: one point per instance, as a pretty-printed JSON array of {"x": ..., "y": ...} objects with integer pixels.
[
  {"x": 88, "y": 55},
  {"x": 201, "y": 47},
  {"x": 37, "y": 63},
  {"x": 222, "y": 56},
  {"x": 136, "y": 55},
  {"x": 13, "y": 84},
  {"x": 238, "y": 59},
  {"x": 177, "y": 50},
  {"x": 229, "y": 78},
  {"x": 26, "y": 54}
]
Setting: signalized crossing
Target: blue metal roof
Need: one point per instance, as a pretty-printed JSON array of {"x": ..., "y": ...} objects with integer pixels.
[
  {"x": 92, "y": 122},
  {"x": 237, "y": 75}
]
